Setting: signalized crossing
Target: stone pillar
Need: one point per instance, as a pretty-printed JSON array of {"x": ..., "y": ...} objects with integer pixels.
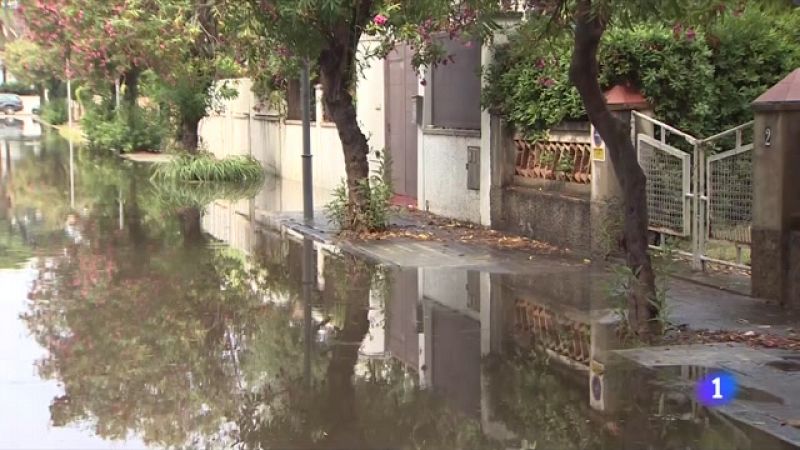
[
  {"x": 776, "y": 192},
  {"x": 606, "y": 198}
]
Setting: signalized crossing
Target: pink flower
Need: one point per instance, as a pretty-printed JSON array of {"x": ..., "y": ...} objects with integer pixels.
[
  {"x": 540, "y": 63},
  {"x": 546, "y": 82},
  {"x": 676, "y": 29},
  {"x": 690, "y": 34},
  {"x": 423, "y": 82},
  {"x": 380, "y": 20}
]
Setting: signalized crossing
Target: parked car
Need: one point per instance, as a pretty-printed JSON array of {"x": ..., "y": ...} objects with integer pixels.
[{"x": 10, "y": 103}]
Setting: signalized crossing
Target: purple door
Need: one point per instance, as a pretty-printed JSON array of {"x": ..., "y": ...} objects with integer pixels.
[{"x": 401, "y": 131}]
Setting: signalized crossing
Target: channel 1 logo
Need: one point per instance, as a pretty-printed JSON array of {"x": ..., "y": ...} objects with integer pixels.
[{"x": 716, "y": 389}]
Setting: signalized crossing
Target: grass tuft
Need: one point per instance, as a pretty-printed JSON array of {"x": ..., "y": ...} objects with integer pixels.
[{"x": 203, "y": 167}]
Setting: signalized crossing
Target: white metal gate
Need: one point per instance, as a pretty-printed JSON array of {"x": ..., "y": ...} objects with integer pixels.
[{"x": 698, "y": 190}]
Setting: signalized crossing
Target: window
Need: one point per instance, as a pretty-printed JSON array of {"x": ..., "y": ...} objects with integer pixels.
[{"x": 456, "y": 88}]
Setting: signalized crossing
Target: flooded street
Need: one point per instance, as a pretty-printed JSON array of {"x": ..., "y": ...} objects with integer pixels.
[{"x": 136, "y": 316}]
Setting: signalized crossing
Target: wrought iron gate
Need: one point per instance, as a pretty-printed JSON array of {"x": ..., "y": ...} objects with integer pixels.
[{"x": 698, "y": 190}]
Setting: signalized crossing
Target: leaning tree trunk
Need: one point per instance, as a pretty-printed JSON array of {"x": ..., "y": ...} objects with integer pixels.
[
  {"x": 336, "y": 80},
  {"x": 337, "y": 66},
  {"x": 589, "y": 29}
]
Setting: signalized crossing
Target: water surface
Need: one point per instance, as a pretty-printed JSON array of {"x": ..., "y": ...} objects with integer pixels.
[{"x": 134, "y": 315}]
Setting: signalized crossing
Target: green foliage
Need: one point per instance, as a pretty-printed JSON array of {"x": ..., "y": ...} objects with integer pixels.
[
  {"x": 204, "y": 167},
  {"x": 54, "y": 112},
  {"x": 750, "y": 53},
  {"x": 700, "y": 80},
  {"x": 18, "y": 88},
  {"x": 377, "y": 188},
  {"x": 31, "y": 63},
  {"x": 172, "y": 195},
  {"x": 126, "y": 130},
  {"x": 674, "y": 72},
  {"x": 624, "y": 281},
  {"x": 13, "y": 249},
  {"x": 530, "y": 86}
]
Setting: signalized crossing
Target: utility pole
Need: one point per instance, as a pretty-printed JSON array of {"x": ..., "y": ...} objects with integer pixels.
[{"x": 308, "y": 185}]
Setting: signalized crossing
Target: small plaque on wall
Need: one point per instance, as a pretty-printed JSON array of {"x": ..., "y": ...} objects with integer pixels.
[{"x": 598, "y": 146}]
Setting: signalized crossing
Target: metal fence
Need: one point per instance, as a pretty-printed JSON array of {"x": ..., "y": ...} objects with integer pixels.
[{"x": 698, "y": 190}]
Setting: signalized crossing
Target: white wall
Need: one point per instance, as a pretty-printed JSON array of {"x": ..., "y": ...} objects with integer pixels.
[
  {"x": 237, "y": 129},
  {"x": 29, "y": 102},
  {"x": 443, "y": 172}
]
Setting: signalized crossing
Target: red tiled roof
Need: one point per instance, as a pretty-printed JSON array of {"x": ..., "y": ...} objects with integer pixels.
[{"x": 784, "y": 95}]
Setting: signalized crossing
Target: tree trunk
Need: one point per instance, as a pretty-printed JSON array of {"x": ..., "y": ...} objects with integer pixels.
[
  {"x": 191, "y": 227},
  {"x": 336, "y": 96},
  {"x": 189, "y": 133},
  {"x": 340, "y": 407},
  {"x": 337, "y": 65},
  {"x": 584, "y": 73},
  {"x": 131, "y": 82}
]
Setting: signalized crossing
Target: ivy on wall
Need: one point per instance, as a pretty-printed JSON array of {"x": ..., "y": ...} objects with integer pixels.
[{"x": 702, "y": 81}]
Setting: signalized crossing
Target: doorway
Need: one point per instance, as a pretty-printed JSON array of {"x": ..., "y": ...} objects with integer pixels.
[{"x": 401, "y": 130}]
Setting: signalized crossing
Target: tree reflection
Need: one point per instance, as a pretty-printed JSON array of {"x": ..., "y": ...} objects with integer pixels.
[{"x": 143, "y": 330}]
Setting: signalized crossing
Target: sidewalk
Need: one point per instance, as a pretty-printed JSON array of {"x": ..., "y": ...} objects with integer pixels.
[{"x": 695, "y": 299}]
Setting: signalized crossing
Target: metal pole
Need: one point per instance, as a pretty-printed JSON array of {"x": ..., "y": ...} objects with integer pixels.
[
  {"x": 69, "y": 96},
  {"x": 305, "y": 99},
  {"x": 116, "y": 94}
]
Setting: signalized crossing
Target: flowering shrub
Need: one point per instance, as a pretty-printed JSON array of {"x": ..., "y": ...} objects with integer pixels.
[{"x": 700, "y": 80}]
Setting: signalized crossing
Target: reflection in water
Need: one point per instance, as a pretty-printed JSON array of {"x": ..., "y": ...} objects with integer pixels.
[{"x": 178, "y": 318}]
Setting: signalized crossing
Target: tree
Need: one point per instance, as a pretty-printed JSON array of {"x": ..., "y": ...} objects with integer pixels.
[
  {"x": 121, "y": 39},
  {"x": 32, "y": 64},
  {"x": 587, "y": 20},
  {"x": 277, "y": 35},
  {"x": 105, "y": 40}
]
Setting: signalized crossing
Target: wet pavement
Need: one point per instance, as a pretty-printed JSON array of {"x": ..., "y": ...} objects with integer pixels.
[{"x": 142, "y": 316}]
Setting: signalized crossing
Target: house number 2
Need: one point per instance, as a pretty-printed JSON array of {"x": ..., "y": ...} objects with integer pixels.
[{"x": 767, "y": 137}]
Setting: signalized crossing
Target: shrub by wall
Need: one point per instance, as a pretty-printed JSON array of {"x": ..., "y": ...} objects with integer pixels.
[
  {"x": 702, "y": 81},
  {"x": 54, "y": 112},
  {"x": 127, "y": 130}
]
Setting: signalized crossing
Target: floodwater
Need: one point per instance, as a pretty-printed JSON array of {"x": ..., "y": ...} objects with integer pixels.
[{"x": 141, "y": 316}]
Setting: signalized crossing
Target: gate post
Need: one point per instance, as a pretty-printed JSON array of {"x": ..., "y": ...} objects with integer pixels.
[
  {"x": 776, "y": 203},
  {"x": 606, "y": 192}
]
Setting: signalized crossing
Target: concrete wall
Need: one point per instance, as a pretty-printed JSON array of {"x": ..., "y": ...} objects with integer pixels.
[
  {"x": 555, "y": 218},
  {"x": 443, "y": 174},
  {"x": 239, "y": 127},
  {"x": 29, "y": 102}
]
